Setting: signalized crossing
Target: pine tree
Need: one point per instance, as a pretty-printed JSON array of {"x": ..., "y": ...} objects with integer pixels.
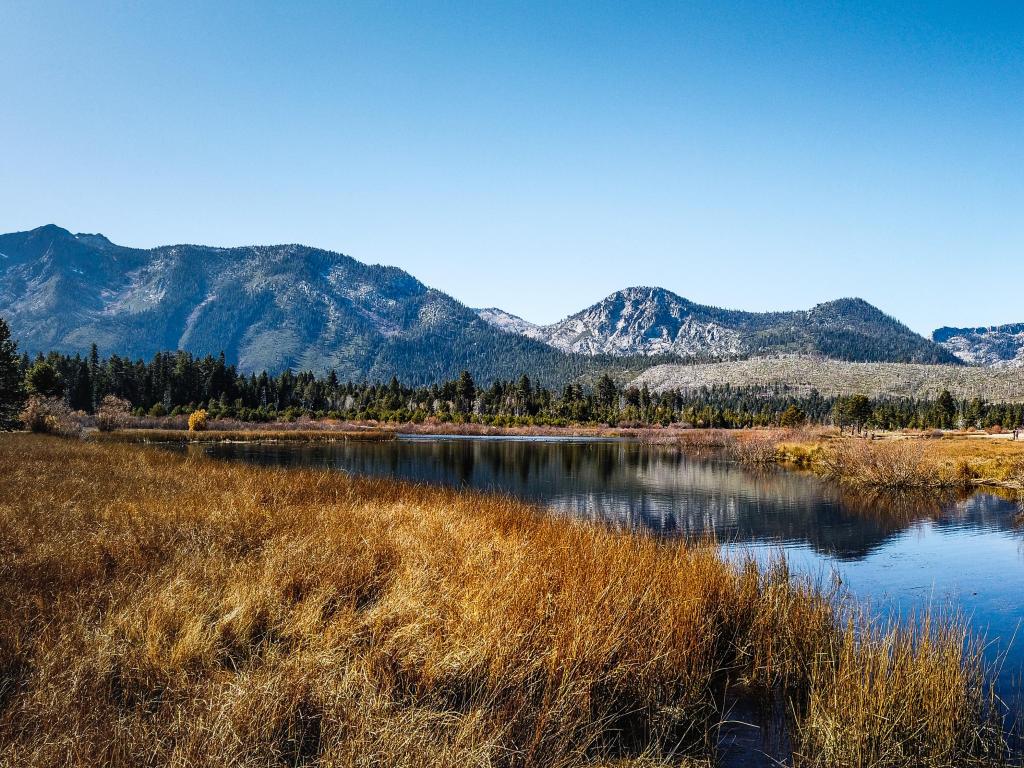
[
  {"x": 94, "y": 376},
  {"x": 606, "y": 391},
  {"x": 467, "y": 391},
  {"x": 947, "y": 409},
  {"x": 44, "y": 379},
  {"x": 12, "y": 391}
]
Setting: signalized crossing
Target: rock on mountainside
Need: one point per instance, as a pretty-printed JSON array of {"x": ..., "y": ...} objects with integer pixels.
[
  {"x": 644, "y": 321},
  {"x": 650, "y": 321},
  {"x": 1000, "y": 346},
  {"x": 265, "y": 307}
]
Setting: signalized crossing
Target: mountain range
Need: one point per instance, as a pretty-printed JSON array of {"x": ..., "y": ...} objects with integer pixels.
[
  {"x": 654, "y": 321},
  {"x": 271, "y": 307},
  {"x": 998, "y": 346}
]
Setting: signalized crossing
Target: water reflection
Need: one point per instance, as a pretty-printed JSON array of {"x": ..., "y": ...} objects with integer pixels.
[
  {"x": 901, "y": 553},
  {"x": 634, "y": 486}
]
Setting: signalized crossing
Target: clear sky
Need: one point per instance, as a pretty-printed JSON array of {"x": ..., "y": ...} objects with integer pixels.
[{"x": 538, "y": 156}]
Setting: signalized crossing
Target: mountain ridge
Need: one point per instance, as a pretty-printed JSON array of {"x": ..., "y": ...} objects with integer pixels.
[
  {"x": 264, "y": 306},
  {"x": 276, "y": 306},
  {"x": 647, "y": 320}
]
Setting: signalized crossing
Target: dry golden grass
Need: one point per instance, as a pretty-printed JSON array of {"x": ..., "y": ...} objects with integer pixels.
[
  {"x": 159, "y": 609},
  {"x": 909, "y": 462},
  {"x": 894, "y": 697},
  {"x": 890, "y": 465},
  {"x": 984, "y": 458}
]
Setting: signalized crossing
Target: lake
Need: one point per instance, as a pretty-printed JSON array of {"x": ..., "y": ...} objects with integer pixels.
[{"x": 900, "y": 554}]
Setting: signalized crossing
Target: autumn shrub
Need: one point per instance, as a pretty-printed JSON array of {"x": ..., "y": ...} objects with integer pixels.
[
  {"x": 51, "y": 415},
  {"x": 113, "y": 413},
  {"x": 755, "y": 448},
  {"x": 197, "y": 421}
]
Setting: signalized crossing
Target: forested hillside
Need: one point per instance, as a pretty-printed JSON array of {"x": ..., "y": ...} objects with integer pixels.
[
  {"x": 294, "y": 307},
  {"x": 178, "y": 383}
]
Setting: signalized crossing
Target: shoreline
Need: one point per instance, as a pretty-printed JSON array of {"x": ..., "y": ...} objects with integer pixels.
[{"x": 925, "y": 459}]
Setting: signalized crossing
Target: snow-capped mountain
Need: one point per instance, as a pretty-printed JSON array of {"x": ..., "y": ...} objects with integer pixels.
[
  {"x": 999, "y": 346},
  {"x": 654, "y": 321},
  {"x": 634, "y": 321}
]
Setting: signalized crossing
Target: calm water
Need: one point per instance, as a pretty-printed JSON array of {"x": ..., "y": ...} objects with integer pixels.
[{"x": 899, "y": 554}]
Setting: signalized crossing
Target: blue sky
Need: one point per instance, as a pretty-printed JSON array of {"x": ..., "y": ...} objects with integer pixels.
[{"x": 536, "y": 156}]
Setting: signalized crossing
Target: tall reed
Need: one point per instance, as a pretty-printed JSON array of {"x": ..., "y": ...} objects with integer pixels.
[{"x": 886, "y": 464}]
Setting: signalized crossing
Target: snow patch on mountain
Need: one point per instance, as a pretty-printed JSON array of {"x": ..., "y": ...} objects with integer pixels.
[
  {"x": 506, "y": 321},
  {"x": 999, "y": 346},
  {"x": 634, "y": 321}
]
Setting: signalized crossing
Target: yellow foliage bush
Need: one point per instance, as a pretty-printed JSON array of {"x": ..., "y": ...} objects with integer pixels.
[{"x": 197, "y": 421}]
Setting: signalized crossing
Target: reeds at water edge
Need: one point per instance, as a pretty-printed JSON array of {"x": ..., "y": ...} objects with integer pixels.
[{"x": 162, "y": 609}]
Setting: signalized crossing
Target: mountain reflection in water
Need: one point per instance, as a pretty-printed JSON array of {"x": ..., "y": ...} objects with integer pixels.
[
  {"x": 634, "y": 486},
  {"x": 901, "y": 554}
]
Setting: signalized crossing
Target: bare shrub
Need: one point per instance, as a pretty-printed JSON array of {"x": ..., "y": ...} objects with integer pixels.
[
  {"x": 756, "y": 448},
  {"x": 51, "y": 415},
  {"x": 704, "y": 439},
  {"x": 113, "y": 413}
]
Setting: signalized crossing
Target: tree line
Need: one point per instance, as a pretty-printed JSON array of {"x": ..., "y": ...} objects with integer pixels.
[{"x": 174, "y": 383}]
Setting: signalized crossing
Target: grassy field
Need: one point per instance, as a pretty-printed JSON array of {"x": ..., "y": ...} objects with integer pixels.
[
  {"x": 898, "y": 461},
  {"x": 160, "y": 609},
  {"x": 906, "y": 461}
]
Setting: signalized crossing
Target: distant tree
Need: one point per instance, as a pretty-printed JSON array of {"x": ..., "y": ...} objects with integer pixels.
[
  {"x": 94, "y": 376},
  {"x": 606, "y": 391},
  {"x": 44, "y": 380},
  {"x": 632, "y": 397},
  {"x": 467, "y": 390},
  {"x": 946, "y": 407},
  {"x": 859, "y": 411},
  {"x": 792, "y": 417},
  {"x": 12, "y": 390},
  {"x": 80, "y": 392}
]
